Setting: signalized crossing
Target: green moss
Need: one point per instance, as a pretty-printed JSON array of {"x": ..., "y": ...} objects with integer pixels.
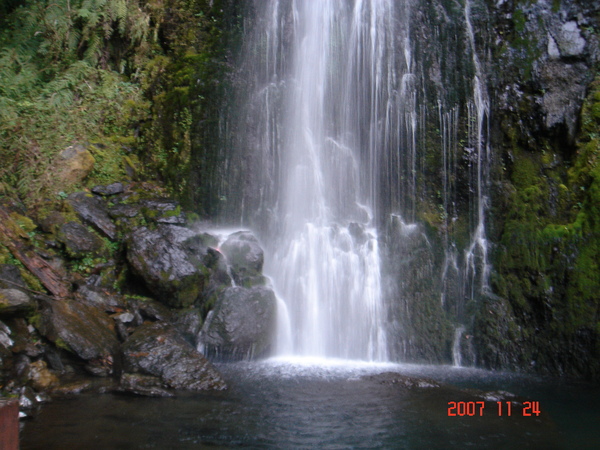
[
  {"x": 547, "y": 259},
  {"x": 31, "y": 280},
  {"x": 60, "y": 343}
]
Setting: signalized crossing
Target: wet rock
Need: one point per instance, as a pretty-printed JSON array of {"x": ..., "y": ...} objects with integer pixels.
[
  {"x": 42, "y": 379},
  {"x": 79, "y": 241},
  {"x": 28, "y": 404},
  {"x": 93, "y": 211},
  {"x": 82, "y": 330},
  {"x": 145, "y": 385},
  {"x": 100, "y": 298},
  {"x": 245, "y": 256},
  {"x": 150, "y": 309},
  {"x": 402, "y": 381},
  {"x": 10, "y": 277},
  {"x": 157, "y": 349},
  {"x": 5, "y": 340},
  {"x": 24, "y": 340},
  {"x": 242, "y": 324},
  {"x": 111, "y": 189},
  {"x": 189, "y": 324},
  {"x": 124, "y": 211},
  {"x": 76, "y": 163},
  {"x": 163, "y": 211},
  {"x": 170, "y": 260},
  {"x": 15, "y": 302},
  {"x": 73, "y": 387},
  {"x": 565, "y": 87}
]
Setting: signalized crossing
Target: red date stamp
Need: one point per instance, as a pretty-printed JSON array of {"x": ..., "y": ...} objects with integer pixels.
[{"x": 503, "y": 409}]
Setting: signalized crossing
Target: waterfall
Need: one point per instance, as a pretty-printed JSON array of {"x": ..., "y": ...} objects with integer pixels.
[
  {"x": 354, "y": 139},
  {"x": 478, "y": 116},
  {"x": 331, "y": 104},
  {"x": 326, "y": 264}
]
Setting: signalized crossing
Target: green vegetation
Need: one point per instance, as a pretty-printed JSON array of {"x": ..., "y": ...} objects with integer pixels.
[
  {"x": 547, "y": 261},
  {"x": 123, "y": 78}
]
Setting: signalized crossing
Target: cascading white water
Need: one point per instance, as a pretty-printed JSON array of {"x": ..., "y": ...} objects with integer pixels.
[
  {"x": 335, "y": 90},
  {"x": 335, "y": 144},
  {"x": 478, "y": 112}
]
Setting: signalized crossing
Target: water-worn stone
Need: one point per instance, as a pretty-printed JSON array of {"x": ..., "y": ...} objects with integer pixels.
[
  {"x": 14, "y": 301},
  {"x": 146, "y": 385},
  {"x": 92, "y": 211},
  {"x": 82, "y": 330},
  {"x": 157, "y": 349},
  {"x": 172, "y": 261},
  {"x": 79, "y": 241},
  {"x": 245, "y": 256},
  {"x": 242, "y": 324}
]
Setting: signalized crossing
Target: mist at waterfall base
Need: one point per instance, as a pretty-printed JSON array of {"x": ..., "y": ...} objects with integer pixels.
[{"x": 323, "y": 404}]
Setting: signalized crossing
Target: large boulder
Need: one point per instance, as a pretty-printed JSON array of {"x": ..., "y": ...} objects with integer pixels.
[
  {"x": 173, "y": 261},
  {"x": 157, "y": 349},
  {"x": 79, "y": 241},
  {"x": 245, "y": 257},
  {"x": 242, "y": 324},
  {"x": 92, "y": 210},
  {"x": 83, "y": 330}
]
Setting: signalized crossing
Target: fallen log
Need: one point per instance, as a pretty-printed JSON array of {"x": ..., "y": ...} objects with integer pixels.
[{"x": 12, "y": 237}]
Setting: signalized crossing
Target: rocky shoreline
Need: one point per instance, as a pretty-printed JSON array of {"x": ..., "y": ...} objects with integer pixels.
[{"x": 134, "y": 288}]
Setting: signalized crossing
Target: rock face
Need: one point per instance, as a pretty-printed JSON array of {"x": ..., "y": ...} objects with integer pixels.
[
  {"x": 82, "y": 330},
  {"x": 242, "y": 324},
  {"x": 245, "y": 257},
  {"x": 160, "y": 351},
  {"x": 78, "y": 240},
  {"x": 171, "y": 261},
  {"x": 93, "y": 212}
]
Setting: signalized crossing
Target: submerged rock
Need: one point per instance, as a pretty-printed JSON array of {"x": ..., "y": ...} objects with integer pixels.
[
  {"x": 146, "y": 385},
  {"x": 158, "y": 350},
  {"x": 242, "y": 324}
]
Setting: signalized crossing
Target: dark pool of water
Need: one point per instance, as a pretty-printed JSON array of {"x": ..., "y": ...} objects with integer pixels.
[{"x": 308, "y": 404}]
